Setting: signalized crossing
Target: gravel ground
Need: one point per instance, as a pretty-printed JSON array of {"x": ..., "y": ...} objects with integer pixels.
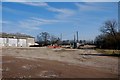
[{"x": 72, "y": 58}]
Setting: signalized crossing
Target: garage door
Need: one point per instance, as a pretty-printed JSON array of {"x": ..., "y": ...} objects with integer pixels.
[
  {"x": 12, "y": 42},
  {"x": 22, "y": 42},
  {"x": 3, "y": 41}
]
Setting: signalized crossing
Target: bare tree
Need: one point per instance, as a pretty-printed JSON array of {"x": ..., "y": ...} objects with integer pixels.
[
  {"x": 110, "y": 28},
  {"x": 53, "y": 39},
  {"x": 43, "y": 37}
]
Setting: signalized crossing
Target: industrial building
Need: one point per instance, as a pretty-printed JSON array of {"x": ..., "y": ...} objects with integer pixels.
[{"x": 16, "y": 40}]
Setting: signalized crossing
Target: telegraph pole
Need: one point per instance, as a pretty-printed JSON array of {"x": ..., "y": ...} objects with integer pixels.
[
  {"x": 74, "y": 43},
  {"x": 74, "y": 39},
  {"x": 77, "y": 36},
  {"x": 61, "y": 39},
  {"x": 61, "y": 36}
]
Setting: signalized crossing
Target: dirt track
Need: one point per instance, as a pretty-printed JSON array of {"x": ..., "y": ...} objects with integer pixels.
[{"x": 43, "y": 62}]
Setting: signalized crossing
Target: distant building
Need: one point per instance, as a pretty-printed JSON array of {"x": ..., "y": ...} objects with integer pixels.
[{"x": 16, "y": 40}]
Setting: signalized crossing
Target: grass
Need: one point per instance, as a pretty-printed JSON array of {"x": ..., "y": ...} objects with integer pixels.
[{"x": 109, "y": 52}]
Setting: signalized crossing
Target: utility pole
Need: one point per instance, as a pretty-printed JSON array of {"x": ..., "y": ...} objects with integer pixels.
[
  {"x": 74, "y": 39},
  {"x": 77, "y": 36},
  {"x": 74, "y": 43},
  {"x": 61, "y": 36}
]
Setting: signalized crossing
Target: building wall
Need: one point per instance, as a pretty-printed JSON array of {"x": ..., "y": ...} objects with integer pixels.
[
  {"x": 3, "y": 41},
  {"x": 22, "y": 43},
  {"x": 12, "y": 42},
  {"x": 30, "y": 41},
  {"x": 16, "y": 42}
]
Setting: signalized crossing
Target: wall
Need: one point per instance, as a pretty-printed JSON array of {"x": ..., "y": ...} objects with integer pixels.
[
  {"x": 12, "y": 42},
  {"x": 22, "y": 43},
  {"x": 16, "y": 42},
  {"x": 30, "y": 41},
  {"x": 3, "y": 41}
]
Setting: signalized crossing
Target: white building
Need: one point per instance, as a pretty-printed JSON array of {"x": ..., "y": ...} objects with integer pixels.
[{"x": 18, "y": 41}]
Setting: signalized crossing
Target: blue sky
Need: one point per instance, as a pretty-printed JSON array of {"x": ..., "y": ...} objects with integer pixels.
[
  {"x": 57, "y": 17},
  {"x": 60, "y": 0}
]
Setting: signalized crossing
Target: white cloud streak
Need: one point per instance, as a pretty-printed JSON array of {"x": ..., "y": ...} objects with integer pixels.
[
  {"x": 26, "y": 24},
  {"x": 31, "y": 23},
  {"x": 15, "y": 0},
  {"x": 5, "y": 22},
  {"x": 90, "y": 7},
  {"x": 62, "y": 12},
  {"x": 63, "y": 15},
  {"x": 35, "y": 23},
  {"x": 38, "y": 4}
]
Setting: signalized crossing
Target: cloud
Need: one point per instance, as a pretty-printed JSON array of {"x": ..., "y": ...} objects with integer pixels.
[
  {"x": 44, "y": 21},
  {"x": 5, "y": 22},
  {"x": 26, "y": 24},
  {"x": 60, "y": 0},
  {"x": 14, "y": 0},
  {"x": 38, "y": 4},
  {"x": 34, "y": 23},
  {"x": 17, "y": 11},
  {"x": 62, "y": 12},
  {"x": 89, "y": 7},
  {"x": 29, "y": 24}
]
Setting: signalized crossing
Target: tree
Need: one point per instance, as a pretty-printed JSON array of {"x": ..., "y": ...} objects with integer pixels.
[
  {"x": 110, "y": 27},
  {"x": 105, "y": 41},
  {"x": 109, "y": 37},
  {"x": 53, "y": 39},
  {"x": 43, "y": 37}
]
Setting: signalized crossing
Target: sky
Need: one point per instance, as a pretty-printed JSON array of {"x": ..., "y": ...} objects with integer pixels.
[
  {"x": 60, "y": 0},
  {"x": 57, "y": 18}
]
